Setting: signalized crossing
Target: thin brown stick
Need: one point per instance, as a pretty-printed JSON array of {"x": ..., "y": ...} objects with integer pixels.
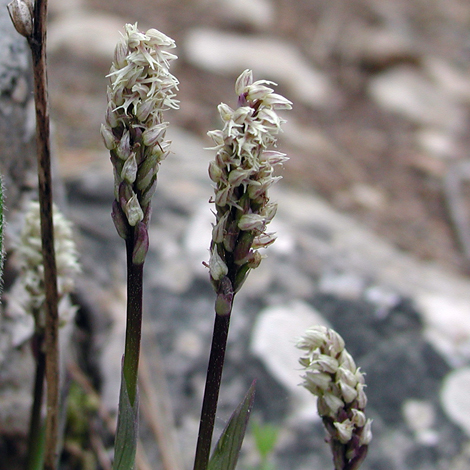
[
  {"x": 156, "y": 408},
  {"x": 37, "y": 43}
]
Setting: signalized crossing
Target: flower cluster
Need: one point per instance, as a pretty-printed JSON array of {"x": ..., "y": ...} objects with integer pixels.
[
  {"x": 32, "y": 268},
  {"x": 331, "y": 374},
  {"x": 243, "y": 172},
  {"x": 141, "y": 88}
]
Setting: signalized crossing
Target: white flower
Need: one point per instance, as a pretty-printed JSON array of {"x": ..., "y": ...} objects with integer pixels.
[
  {"x": 217, "y": 268},
  {"x": 32, "y": 268},
  {"x": 331, "y": 374},
  {"x": 345, "y": 430},
  {"x": 366, "y": 435},
  {"x": 141, "y": 88}
]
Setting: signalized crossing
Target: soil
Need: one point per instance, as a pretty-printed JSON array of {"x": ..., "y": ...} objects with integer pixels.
[{"x": 377, "y": 174}]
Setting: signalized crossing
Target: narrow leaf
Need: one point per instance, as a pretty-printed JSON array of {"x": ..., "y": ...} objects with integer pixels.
[
  {"x": 227, "y": 450},
  {"x": 125, "y": 443}
]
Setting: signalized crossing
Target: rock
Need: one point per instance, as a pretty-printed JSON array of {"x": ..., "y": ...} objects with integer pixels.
[
  {"x": 407, "y": 91},
  {"x": 449, "y": 77},
  {"x": 391, "y": 310},
  {"x": 85, "y": 34},
  {"x": 454, "y": 397},
  {"x": 342, "y": 285},
  {"x": 381, "y": 46},
  {"x": 447, "y": 325},
  {"x": 420, "y": 416},
  {"x": 273, "y": 342},
  {"x": 437, "y": 143},
  {"x": 270, "y": 59},
  {"x": 256, "y": 13}
]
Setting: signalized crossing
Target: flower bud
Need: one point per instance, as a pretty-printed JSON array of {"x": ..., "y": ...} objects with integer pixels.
[
  {"x": 141, "y": 244},
  {"x": 244, "y": 80},
  {"x": 110, "y": 142},
  {"x": 359, "y": 418},
  {"x": 219, "y": 230},
  {"x": 344, "y": 431},
  {"x": 225, "y": 111},
  {"x": 316, "y": 382},
  {"x": 111, "y": 116},
  {"x": 147, "y": 170},
  {"x": 346, "y": 361},
  {"x": 346, "y": 376},
  {"x": 217, "y": 267},
  {"x": 133, "y": 211},
  {"x": 251, "y": 222},
  {"x": 264, "y": 240},
  {"x": 361, "y": 396},
  {"x": 149, "y": 192},
  {"x": 153, "y": 135},
  {"x": 120, "y": 54},
  {"x": 231, "y": 236},
  {"x": 129, "y": 169},
  {"x": 222, "y": 196},
  {"x": 123, "y": 149},
  {"x": 366, "y": 434},
  {"x": 120, "y": 220},
  {"x": 255, "y": 260},
  {"x": 22, "y": 17},
  {"x": 215, "y": 172},
  {"x": 349, "y": 393},
  {"x": 224, "y": 300}
]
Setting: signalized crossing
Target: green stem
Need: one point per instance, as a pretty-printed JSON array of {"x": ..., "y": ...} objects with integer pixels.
[
  {"x": 134, "y": 322},
  {"x": 211, "y": 392},
  {"x": 35, "y": 454}
]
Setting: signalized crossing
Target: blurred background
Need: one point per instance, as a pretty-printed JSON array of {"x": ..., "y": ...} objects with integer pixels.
[
  {"x": 378, "y": 132},
  {"x": 381, "y": 94}
]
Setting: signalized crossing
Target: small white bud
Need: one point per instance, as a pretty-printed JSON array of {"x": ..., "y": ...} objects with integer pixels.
[
  {"x": 133, "y": 211},
  {"x": 217, "y": 268},
  {"x": 219, "y": 230},
  {"x": 366, "y": 435},
  {"x": 325, "y": 363},
  {"x": 333, "y": 403},
  {"x": 315, "y": 381},
  {"x": 349, "y": 393},
  {"x": 108, "y": 137},
  {"x": 346, "y": 376},
  {"x": 123, "y": 149},
  {"x": 129, "y": 169},
  {"x": 361, "y": 396},
  {"x": 359, "y": 418},
  {"x": 344, "y": 431},
  {"x": 346, "y": 361},
  {"x": 245, "y": 79},
  {"x": 250, "y": 222}
]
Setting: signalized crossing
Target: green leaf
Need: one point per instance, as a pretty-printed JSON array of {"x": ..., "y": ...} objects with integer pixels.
[
  {"x": 125, "y": 443},
  {"x": 225, "y": 455},
  {"x": 265, "y": 438}
]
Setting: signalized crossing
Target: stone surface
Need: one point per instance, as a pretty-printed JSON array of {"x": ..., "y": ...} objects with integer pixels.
[
  {"x": 409, "y": 92},
  {"x": 217, "y": 51},
  {"x": 405, "y": 93},
  {"x": 327, "y": 268}
]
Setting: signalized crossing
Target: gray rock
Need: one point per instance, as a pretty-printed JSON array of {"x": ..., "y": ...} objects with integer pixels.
[{"x": 272, "y": 59}]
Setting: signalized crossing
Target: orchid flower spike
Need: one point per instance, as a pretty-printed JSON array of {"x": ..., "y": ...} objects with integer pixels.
[
  {"x": 332, "y": 375},
  {"x": 243, "y": 171},
  {"x": 32, "y": 268},
  {"x": 141, "y": 89}
]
